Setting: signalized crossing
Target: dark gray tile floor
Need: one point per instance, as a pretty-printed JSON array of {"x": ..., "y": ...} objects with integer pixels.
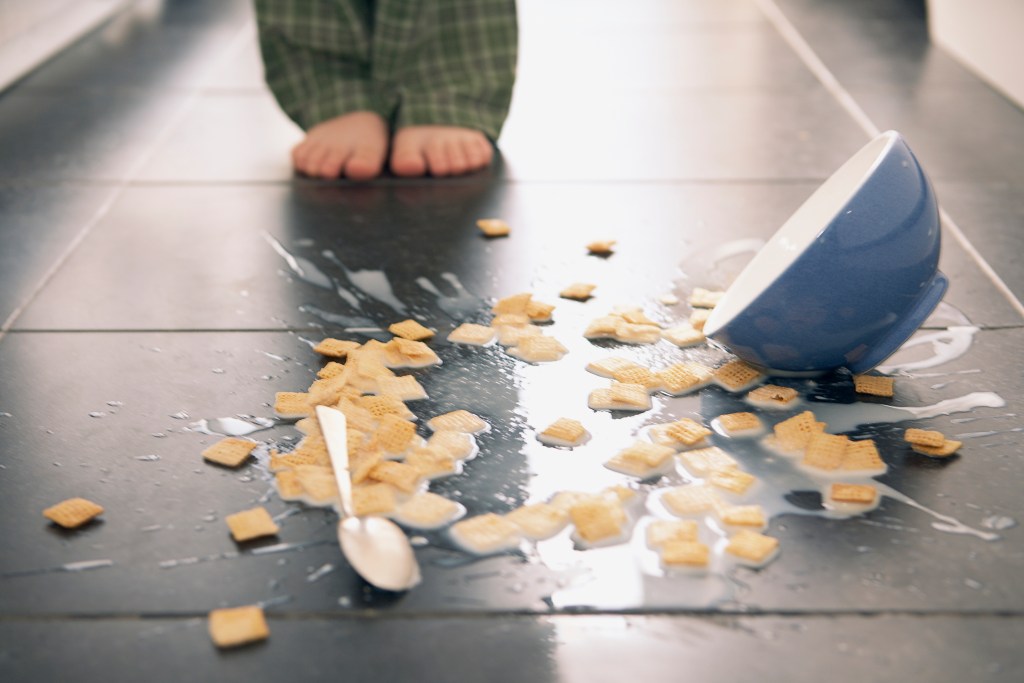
[{"x": 147, "y": 218}]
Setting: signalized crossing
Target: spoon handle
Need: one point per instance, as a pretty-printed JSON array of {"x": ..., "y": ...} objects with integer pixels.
[{"x": 335, "y": 431}]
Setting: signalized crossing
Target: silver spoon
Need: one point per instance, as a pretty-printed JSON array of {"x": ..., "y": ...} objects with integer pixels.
[{"x": 376, "y": 547}]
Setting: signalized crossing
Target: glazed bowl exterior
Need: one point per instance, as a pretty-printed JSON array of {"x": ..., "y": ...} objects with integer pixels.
[{"x": 848, "y": 278}]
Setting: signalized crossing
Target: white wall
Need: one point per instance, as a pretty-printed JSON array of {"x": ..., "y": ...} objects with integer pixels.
[{"x": 987, "y": 36}]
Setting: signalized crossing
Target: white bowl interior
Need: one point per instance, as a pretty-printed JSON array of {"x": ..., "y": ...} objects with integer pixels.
[{"x": 797, "y": 233}]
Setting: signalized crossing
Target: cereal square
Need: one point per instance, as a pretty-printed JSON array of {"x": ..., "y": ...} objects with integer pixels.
[
  {"x": 493, "y": 227},
  {"x": 749, "y": 516},
  {"x": 705, "y": 298},
  {"x": 335, "y": 348},
  {"x": 73, "y": 512},
  {"x": 485, "y": 534},
  {"x": 373, "y": 499},
  {"x": 773, "y": 396},
  {"x": 751, "y": 546},
  {"x": 737, "y": 375},
  {"x": 641, "y": 460},
  {"x": 404, "y": 388},
  {"x": 539, "y": 349},
  {"x": 229, "y": 451},
  {"x": 580, "y": 291},
  {"x": 539, "y": 521},
  {"x": 739, "y": 423},
  {"x": 601, "y": 247},
  {"x": 607, "y": 367},
  {"x": 924, "y": 437},
  {"x": 472, "y": 334},
  {"x": 234, "y": 626},
  {"x": 564, "y": 432},
  {"x": 825, "y": 451},
  {"x": 862, "y": 456},
  {"x": 875, "y": 385},
  {"x": 683, "y": 378},
  {"x": 458, "y": 421},
  {"x": 704, "y": 461},
  {"x": 292, "y": 404},
  {"x": 249, "y": 524},
  {"x": 663, "y": 530},
  {"x": 860, "y": 494},
  {"x": 402, "y": 476},
  {"x": 684, "y": 335},
  {"x": 794, "y": 433},
  {"x": 692, "y": 554},
  {"x": 428, "y": 511},
  {"x": 597, "y": 519},
  {"x": 410, "y": 329},
  {"x": 733, "y": 480},
  {"x": 948, "y": 447},
  {"x": 432, "y": 462},
  {"x": 690, "y": 499}
]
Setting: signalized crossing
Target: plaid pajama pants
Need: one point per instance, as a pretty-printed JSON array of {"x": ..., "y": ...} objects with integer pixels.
[{"x": 414, "y": 62}]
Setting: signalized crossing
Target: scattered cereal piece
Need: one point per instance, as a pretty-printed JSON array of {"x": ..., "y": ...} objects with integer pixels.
[
  {"x": 234, "y": 626},
  {"x": 686, "y": 433},
  {"x": 427, "y": 511},
  {"x": 745, "y": 516},
  {"x": 862, "y": 456},
  {"x": 581, "y": 291},
  {"x": 643, "y": 460},
  {"x": 699, "y": 317},
  {"x": 394, "y": 435},
  {"x": 516, "y": 303},
  {"x": 402, "y": 476},
  {"x": 601, "y": 247},
  {"x": 405, "y": 353},
  {"x": 472, "y": 334},
  {"x": 598, "y": 520},
  {"x": 772, "y": 396},
  {"x": 669, "y": 299},
  {"x": 737, "y": 375},
  {"x": 73, "y": 512},
  {"x": 335, "y": 348},
  {"x": 689, "y": 554},
  {"x": 875, "y": 385},
  {"x": 288, "y": 486},
  {"x": 705, "y": 298},
  {"x": 513, "y": 335},
  {"x": 793, "y": 433},
  {"x": 663, "y": 530},
  {"x": 690, "y": 499},
  {"x": 319, "y": 485},
  {"x": 639, "y": 375},
  {"x": 403, "y": 387},
  {"x": 292, "y": 404},
  {"x": 684, "y": 378},
  {"x": 705, "y": 461},
  {"x": 433, "y": 462},
  {"x": 539, "y": 312},
  {"x": 861, "y": 494},
  {"x": 620, "y": 396},
  {"x": 373, "y": 499},
  {"x": 493, "y": 227},
  {"x": 733, "y": 480},
  {"x": 564, "y": 432},
  {"x": 539, "y": 521},
  {"x": 607, "y": 367},
  {"x": 229, "y": 451},
  {"x": 486, "y": 534},
  {"x": 602, "y": 328},
  {"x": 754, "y": 548},
  {"x": 458, "y": 421},
  {"x": 379, "y": 406},
  {"x": 739, "y": 424},
  {"x": 636, "y": 333},
  {"x": 948, "y": 447},
  {"x": 684, "y": 335},
  {"x": 539, "y": 349},
  {"x": 331, "y": 370},
  {"x": 249, "y": 524},
  {"x": 634, "y": 315},
  {"x": 459, "y": 445},
  {"x": 924, "y": 437},
  {"x": 825, "y": 451},
  {"x": 411, "y": 330}
]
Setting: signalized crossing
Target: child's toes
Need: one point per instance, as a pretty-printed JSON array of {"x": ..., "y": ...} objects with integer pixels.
[{"x": 364, "y": 164}]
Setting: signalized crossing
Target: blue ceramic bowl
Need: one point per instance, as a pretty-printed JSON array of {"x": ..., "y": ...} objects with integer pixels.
[{"x": 848, "y": 278}]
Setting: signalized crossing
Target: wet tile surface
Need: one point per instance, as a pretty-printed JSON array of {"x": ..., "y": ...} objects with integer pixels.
[{"x": 208, "y": 270}]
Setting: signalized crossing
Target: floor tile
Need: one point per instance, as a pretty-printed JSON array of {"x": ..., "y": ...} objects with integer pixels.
[
  {"x": 992, "y": 214},
  {"x": 79, "y": 134},
  {"x": 200, "y": 257},
  {"x": 37, "y": 224}
]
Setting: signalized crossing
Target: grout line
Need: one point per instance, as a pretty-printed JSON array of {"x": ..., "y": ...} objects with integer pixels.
[
  {"x": 234, "y": 45},
  {"x": 806, "y": 53}
]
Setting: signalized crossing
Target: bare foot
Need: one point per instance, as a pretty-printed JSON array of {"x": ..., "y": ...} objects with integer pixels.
[
  {"x": 439, "y": 151},
  {"x": 353, "y": 146}
]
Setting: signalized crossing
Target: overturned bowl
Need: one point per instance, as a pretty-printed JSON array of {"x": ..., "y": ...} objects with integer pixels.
[{"x": 848, "y": 278}]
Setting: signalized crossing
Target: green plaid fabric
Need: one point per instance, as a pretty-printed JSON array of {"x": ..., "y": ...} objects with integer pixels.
[{"x": 415, "y": 62}]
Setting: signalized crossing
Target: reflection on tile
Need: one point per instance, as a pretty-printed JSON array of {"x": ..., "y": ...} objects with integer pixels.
[
  {"x": 227, "y": 137},
  {"x": 675, "y": 135},
  {"x": 79, "y": 134}
]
